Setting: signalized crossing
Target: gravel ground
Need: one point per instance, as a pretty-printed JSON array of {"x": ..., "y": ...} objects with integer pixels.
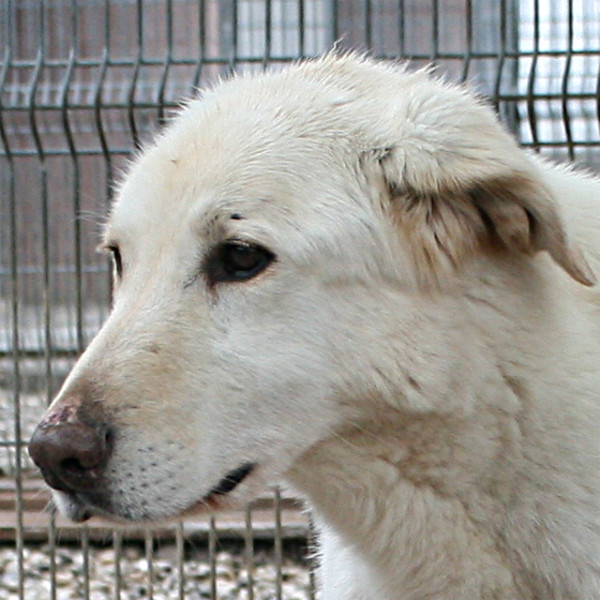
[{"x": 160, "y": 581}]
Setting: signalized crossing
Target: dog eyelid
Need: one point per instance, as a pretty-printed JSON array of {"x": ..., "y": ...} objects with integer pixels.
[{"x": 115, "y": 252}]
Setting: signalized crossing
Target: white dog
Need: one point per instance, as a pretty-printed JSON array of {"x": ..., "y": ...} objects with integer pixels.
[{"x": 348, "y": 276}]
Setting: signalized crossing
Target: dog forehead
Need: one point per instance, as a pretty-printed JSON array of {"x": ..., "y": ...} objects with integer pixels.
[
  {"x": 288, "y": 136},
  {"x": 160, "y": 192}
]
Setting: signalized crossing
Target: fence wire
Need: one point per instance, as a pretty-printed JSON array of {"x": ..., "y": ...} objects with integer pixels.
[{"x": 85, "y": 82}]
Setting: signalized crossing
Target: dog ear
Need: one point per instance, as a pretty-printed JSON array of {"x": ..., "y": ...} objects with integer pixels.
[{"x": 458, "y": 189}]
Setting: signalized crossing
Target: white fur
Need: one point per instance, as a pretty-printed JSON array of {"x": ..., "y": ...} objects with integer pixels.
[{"x": 421, "y": 360}]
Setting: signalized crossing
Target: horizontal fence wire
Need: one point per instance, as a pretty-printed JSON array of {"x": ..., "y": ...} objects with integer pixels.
[{"x": 83, "y": 84}]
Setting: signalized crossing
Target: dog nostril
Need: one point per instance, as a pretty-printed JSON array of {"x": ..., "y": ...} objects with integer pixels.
[
  {"x": 72, "y": 455},
  {"x": 72, "y": 465}
]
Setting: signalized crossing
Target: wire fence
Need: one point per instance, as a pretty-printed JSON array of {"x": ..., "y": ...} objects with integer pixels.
[{"x": 85, "y": 82}]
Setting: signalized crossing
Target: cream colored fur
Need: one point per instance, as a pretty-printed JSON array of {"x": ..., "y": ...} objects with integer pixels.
[{"x": 421, "y": 360}]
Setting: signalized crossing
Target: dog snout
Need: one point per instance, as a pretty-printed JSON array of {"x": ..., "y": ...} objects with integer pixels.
[{"x": 71, "y": 455}]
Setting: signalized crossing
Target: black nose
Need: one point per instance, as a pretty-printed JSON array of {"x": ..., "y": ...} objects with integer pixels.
[{"x": 71, "y": 456}]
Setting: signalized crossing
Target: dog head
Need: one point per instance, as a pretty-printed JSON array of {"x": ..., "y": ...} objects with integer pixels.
[{"x": 280, "y": 253}]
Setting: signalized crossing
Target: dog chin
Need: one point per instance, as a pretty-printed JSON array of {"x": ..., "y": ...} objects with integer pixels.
[
  {"x": 80, "y": 507},
  {"x": 72, "y": 507}
]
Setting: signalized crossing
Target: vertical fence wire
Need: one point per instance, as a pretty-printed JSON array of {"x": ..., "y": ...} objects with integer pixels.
[
  {"x": 212, "y": 557},
  {"x": 180, "y": 545},
  {"x": 501, "y": 59},
  {"x": 268, "y": 29},
  {"x": 14, "y": 309},
  {"x": 301, "y": 29},
  {"x": 52, "y": 543},
  {"x": 401, "y": 26},
  {"x": 118, "y": 549},
  {"x": 149, "y": 552},
  {"x": 249, "y": 552},
  {"x": 468, "y": 40},
  {"x": 312, "y": 537},
  {"x": 597, "y": 94},
  {"x": 531, "y": 78},
  {"x": 435, "y": 31},
  {"x": 278, "y": 546},
  {"x": 565, "y": 83},
  {"x": 368, "y": 23},
  {"x": 201, "y": 50},
  {"x": 139, "y": 8},
  {"x": 85, "y": 553},
  {"x": 167, "y": 61}
]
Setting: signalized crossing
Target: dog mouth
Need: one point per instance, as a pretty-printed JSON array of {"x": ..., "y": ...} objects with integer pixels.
[
  {"x": 80, "y": 507},
  {"x": 231, "y": 480}
]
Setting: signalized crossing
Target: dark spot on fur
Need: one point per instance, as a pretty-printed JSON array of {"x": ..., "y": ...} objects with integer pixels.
[{"x": 414, "y": 384}]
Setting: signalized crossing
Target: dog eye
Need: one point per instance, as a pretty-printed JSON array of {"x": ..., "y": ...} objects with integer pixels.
[
  {"x": 237, "y": 261},
  {"x": 117, "y": 261}
]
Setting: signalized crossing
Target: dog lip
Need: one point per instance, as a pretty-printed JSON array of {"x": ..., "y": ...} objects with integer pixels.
[
  {"x": 231, "y": 480},
  {"x": 215, "y": 499},
  {"x": 81, "y": 515}
]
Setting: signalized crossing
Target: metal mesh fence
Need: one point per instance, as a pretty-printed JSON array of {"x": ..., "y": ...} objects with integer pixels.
[{"x": 82, "y": 84}]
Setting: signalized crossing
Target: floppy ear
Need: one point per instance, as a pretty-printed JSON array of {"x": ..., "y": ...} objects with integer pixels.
[{"x": 457, "y": 189}]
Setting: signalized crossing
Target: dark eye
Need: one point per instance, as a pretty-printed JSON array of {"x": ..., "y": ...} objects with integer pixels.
[
  {"x": 237, "y": 261},
  {"x": 116, "y": 256}
]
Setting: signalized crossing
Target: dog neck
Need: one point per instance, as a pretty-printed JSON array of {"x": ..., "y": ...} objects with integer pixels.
[{"x": 407, "y": 496}]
